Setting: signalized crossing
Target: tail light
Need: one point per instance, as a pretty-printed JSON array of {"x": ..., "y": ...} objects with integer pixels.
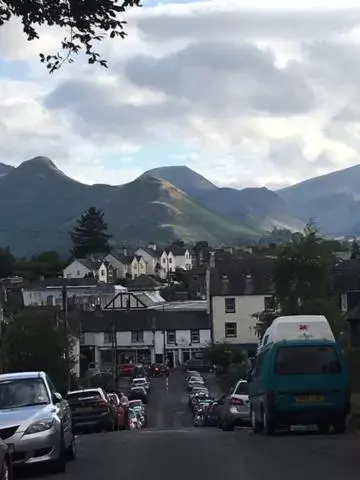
[
  {"x": 270, "y": 397},
  {"x": 236, "y": 401}
]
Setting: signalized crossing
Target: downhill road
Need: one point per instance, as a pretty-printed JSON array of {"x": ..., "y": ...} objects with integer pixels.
[{"x": 171, "y": 448}]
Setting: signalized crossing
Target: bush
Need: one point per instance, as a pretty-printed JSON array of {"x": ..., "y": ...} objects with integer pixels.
[{"x": 236, "y": 372}]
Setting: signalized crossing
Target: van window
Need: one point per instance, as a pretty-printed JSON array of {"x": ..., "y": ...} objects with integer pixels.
[{"x": 307, "y": 360}]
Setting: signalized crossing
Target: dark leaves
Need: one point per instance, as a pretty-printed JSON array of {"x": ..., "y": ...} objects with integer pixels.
[{"x": 88, "y": 22}]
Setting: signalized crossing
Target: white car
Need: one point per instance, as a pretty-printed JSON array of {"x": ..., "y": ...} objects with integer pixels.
[
  {"x": 141, "y": 382},
  {"x": 195, "y": 381},
  {"x": 234, "y": 407}
]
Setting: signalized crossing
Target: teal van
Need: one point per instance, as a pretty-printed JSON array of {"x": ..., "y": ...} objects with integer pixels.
[{"x": 299, "y": 382}]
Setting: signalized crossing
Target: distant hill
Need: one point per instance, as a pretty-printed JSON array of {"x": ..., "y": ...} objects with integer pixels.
[
  {"x": 40, "y": 205},
  {"x": 4, "y": 169},
  {"x": 258, "y": 207},
  {"x": 332, "y": 200}
]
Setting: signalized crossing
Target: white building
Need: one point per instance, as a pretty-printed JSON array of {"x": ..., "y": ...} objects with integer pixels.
[
  {"x": 234, "y": 301},
  {"x": 84, "y": 267},
  {"x": 152, "y": 257},
  {"x": 152, "y": 334},
  {"x": 131, "y": 266}
]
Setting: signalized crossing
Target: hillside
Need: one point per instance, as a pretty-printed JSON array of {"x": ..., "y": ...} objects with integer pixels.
[
  {"x": 332, "y": 200},
  {"x": 40, "y": 204},
  {"x": 259, "y": 207},
  {"x": 4, "y": 169}
]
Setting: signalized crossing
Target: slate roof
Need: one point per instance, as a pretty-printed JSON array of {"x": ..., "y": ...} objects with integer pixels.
[
  {"x": 143, "y": 282},
  {"x": 146, "y": 319}
]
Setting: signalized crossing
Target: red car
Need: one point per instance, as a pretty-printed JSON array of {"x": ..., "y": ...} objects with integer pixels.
[
  {"x": 120, "y": 414},
  {"x": 127, "y": 370},
  {"x": 159, "y": 370}
]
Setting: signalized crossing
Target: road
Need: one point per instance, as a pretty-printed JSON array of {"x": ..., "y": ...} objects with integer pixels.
[{"x": 171, "y": 448}]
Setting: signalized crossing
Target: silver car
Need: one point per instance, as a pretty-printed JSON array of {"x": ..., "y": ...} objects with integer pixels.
[
  {"x": 234, "y": 407},
  {"x": 35, "y": 421}
]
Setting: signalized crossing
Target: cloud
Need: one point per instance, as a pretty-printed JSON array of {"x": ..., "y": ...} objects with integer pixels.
[{"x": 257, "y": 95}]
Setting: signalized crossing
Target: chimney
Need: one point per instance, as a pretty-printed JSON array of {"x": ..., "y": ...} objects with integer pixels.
[
  {"x": 152, "y": 245},
  {"x": 125, "y": 251},
  {"x": 249, "y": 285}
]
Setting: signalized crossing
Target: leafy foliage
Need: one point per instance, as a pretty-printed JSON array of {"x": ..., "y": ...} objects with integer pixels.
[
  {"x": 90, "y": 235},
  {"x": 7, "y": 262},
  {"x": 87, "y": 22},
  {"x": 224, "y": 355},
  {"x": 355, "y": 249},
  {"x": 35, "y": 340}
]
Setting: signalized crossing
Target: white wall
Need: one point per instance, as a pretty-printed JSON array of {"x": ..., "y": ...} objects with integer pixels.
[
  {"x": 150, "y": 261},
  {"x": 75, "y": 270},
  {"x": 184, "y": 261},
  {"x": 121, "y": 269},
  {"x": 103, "y": 277},
  {"x": 245, "y": 307}
]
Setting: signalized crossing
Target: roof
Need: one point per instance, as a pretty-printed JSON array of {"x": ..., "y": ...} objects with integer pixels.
[
  {"x": 20, "y": 375},
  {"x": 150, "y": 251},
  {"x": 77, "y": 285},
  {"x": 242, "y": 277},
  {"x": 146, "y": 319},
  {"x": 176, "y": 251},
  {"x": 143, "y": 282},
  {"x": 194, "y": 305},
  {"x": 90, "y": 264},
  {"x": 347, "y": 276}
]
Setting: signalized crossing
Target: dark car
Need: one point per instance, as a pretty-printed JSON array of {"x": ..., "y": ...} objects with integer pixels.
[
  {"x": 91, "y": 408},
  {"x": 197, "y": 364},
  {"x": 138, "y": 393},
  {"x": 159, "y": 370}
]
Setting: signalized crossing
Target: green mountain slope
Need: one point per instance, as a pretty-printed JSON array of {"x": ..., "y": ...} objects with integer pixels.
[{"x": 40, "y": 205}]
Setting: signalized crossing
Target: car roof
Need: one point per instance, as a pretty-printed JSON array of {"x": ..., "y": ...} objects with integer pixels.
[{"x": 22, "y": 375}]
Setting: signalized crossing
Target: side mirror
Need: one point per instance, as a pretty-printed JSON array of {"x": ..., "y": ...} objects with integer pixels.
[{"x": 57, "y": 397}]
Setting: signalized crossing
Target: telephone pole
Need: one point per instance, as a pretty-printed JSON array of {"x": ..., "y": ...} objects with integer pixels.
[{"x": 66, "y": 333}]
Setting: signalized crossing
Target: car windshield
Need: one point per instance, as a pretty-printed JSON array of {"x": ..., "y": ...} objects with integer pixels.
[
  {"x": 307, "y": 360},
  {"x": 23, "y": 392}
]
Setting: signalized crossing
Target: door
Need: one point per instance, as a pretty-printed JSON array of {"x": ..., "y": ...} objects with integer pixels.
[{"x": 186, "y": 356}]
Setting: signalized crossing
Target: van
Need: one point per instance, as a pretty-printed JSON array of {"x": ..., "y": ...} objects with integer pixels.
[{"x": 299, "y": 382}]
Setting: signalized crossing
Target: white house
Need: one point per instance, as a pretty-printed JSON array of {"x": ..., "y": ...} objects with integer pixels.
[
  {"x": 234, "y": 301},
  {"x": 127, "y": 265},
  {"x": 182, "y": 257},
  {"x": 152, "y": 257},
  {"x": 84, "y": 267}
]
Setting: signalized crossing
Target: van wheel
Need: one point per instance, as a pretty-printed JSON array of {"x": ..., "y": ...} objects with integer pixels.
[
  {"x": 323, "y": 428},
  {"x": 257, "y": 427},
  {"x": 71, "y": 451},
  {"x": 269, "y": 427},
  {"x": 340, "y": 426},
  {"x": 59, "y": 465}
]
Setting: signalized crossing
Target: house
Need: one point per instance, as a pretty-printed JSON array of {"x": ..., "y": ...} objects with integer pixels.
[
  {"x": 181, "y": 255},
  {"x": 143, "y": 335},
  {"x": 86, "y": 267},
  {"x": 127, "y": 266},
  {"x": 237, "y": 292},
  {"x": 152, "y": 257}
]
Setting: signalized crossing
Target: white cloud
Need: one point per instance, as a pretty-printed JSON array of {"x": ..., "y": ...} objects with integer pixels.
[{"x": 260, "y": 95}]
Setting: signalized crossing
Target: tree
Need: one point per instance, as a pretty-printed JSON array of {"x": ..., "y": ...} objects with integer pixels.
[
  {"x": 302, "y": 282},
  {"x": 87, "y": 22},
  {"x": 90, "y": 235},
  {"x": 7, "y": 262},
  {"x": 355, "y": 249},
  {"x": 223, "y": 355},
  {"x": 35, "y": 340}
]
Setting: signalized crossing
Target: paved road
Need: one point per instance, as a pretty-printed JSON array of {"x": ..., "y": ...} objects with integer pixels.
[{"x": 171, "y": 448}]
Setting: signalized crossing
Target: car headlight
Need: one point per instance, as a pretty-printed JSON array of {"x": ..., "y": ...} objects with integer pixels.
[{"x": 40, "y": 426}]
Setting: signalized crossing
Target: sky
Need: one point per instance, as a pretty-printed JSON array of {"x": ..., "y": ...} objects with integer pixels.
[{"x": 244, "y": 94}]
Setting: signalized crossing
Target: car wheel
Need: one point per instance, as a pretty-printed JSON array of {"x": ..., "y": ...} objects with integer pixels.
[
  {"x": 269, "y": 427},
  {"x": 340, "y": 425},
  {"x": 71, "y": 450},
  {"x": 59, "y": 465},
  {"x": 5, "y": 470},
  {"x": 257, "y": 427}
]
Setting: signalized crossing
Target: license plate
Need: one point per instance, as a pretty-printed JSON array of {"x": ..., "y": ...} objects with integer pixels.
[
  {"x": 310, "y": 398},
  {"x": 83, "y": 409}
]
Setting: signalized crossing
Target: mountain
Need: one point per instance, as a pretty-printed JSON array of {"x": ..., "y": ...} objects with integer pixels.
[
  {"x": 40, "y": 205},
  {"x": 258, "y": 207},
  {"x": 332, "y": 200},
  {"x": 4, "y": 169}
]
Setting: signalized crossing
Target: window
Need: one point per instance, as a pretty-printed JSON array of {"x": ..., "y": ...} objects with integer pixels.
[
  {"x": 107, "y": 337},
  {"x": 257, "y": 367},
  {"x": 49, "y": 300},
  {"x": 230, "y": 329},
  {"x": 171, "y": 337},
  {"x": 269, "y": 304},
  {"x": 307, "y": 360},
  {"x": 78, "y": 273},
  {"x": 170, "y": 261},
  {"x": 137, "y": 336},
  {"x": 102, "y": 273},
  {"x": 82, "y": 338},
  {"x": 195, "y": 336},
  {"x": 229, "y": 305}
]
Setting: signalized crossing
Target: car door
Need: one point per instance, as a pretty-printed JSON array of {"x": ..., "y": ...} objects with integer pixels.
[{"x": 64, "y": 413}]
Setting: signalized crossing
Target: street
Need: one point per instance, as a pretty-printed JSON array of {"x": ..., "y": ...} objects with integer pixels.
[{"x": 171, "y": 448}]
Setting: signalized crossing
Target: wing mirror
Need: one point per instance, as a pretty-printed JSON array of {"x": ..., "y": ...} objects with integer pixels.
[{"x": 57, "y": 397}]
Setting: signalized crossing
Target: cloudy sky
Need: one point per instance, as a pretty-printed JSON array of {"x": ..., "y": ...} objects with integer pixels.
[{"x": 243, "y": 94}]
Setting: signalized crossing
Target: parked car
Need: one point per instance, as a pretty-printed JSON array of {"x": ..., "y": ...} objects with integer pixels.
[
  {"x": 141, "y": 382},
  {"x": 159, "y": 370},
  {"x": 127, "y": 370},
  {"x": 195, "y": 381},
  {"x": 198, "y": 365},
  {"x": 91, "y": 409},
  {"x": 212, "y": 414},
  {"x": 36, "y": 421},
  {"x": 120, "y": 415},
  {"x": 138, "y": 393},
  {"x": 235, "y": 409}
]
